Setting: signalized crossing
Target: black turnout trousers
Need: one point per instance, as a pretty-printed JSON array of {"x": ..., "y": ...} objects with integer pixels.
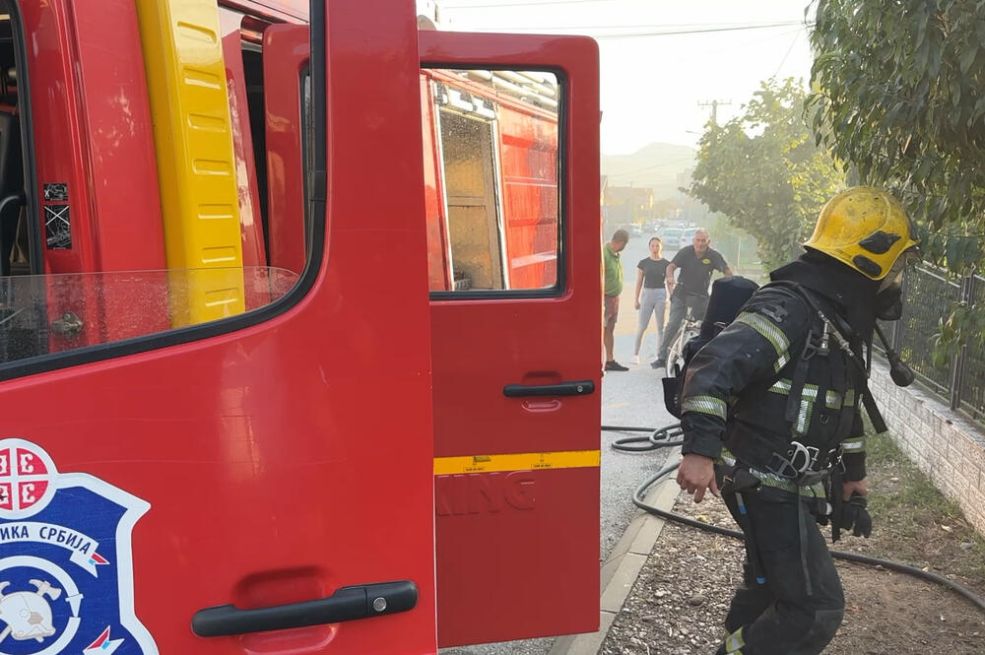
[{"x": 788, "y": 615}]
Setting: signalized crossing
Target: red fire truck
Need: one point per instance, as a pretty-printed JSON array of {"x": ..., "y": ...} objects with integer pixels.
[{"x": 299, "y": 329}]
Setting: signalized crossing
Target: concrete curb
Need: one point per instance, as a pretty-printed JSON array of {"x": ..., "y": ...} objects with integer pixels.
[{"x": 620, "y": 570}]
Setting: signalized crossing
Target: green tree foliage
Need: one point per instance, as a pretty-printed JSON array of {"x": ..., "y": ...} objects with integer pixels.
[
  {"x": 765, "y": 172},
  {"x": 900, "y": 94}
]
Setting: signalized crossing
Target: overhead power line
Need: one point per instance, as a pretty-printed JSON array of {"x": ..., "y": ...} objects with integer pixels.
[
  {"x": 664, "y": 27},
  {"x": 646, "y": 33},
  {"x": 786, "y": 56},
  {"x": 625, "y": 35},
  {"x": 523, "y": 4}
]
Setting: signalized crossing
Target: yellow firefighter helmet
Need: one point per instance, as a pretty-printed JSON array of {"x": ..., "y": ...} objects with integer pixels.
[{"x": 864, "y": 228}]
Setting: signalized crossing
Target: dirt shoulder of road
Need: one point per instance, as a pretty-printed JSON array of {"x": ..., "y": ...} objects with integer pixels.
[{"x": 679, "y": 600}]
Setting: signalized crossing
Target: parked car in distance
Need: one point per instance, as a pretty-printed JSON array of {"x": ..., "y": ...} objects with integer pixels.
[
  {"x": 687, "y": 236},
  {"x": 671, "y": 238}
]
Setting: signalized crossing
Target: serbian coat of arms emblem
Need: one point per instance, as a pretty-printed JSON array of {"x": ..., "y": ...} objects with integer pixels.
[{"x": 66, "y": 574}]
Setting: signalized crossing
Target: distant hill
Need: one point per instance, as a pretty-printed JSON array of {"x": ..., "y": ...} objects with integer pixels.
[{"x": 657, "y": 165}]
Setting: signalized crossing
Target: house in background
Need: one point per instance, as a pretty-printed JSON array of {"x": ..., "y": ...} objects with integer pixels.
[{"x": 627, "y": 205}]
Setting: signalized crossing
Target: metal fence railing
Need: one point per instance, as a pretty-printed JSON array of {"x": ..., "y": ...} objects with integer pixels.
[
  {"x": 972, "y": 388},
  {"x": 929, "y": 295}
]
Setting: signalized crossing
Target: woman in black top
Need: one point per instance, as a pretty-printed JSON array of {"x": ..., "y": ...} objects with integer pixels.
[{"x": 651, "y": 293}]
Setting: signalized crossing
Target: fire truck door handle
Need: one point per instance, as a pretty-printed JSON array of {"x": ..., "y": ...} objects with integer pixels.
[
  {"x": 346, "y": 604},
  {"x": 576, "y": 388}
]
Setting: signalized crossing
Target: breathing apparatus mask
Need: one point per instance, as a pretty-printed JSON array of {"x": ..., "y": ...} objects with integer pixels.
[
  {"x": 889, "y": 307},
  {"x": 889, "y": 298}
]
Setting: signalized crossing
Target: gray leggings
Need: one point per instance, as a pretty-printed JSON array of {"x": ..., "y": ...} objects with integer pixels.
[{"x": 652, "y": 301}]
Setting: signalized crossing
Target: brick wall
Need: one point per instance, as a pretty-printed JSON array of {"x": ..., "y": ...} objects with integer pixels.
[{"x": 942, "y": 443}]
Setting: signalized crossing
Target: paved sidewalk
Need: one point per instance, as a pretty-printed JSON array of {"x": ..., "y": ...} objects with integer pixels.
[{"x": 621, "y": 569}]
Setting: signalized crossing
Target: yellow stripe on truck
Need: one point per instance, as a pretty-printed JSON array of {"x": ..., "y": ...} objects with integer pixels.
[
  {"x": 568, "y": 459},
  {"x": 186, "y": 80}
]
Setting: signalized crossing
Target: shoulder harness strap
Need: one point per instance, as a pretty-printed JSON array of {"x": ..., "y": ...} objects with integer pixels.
[{"x": 834, "y": 331}]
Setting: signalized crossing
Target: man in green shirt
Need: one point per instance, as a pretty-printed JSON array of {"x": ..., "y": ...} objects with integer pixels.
[{"x": 613, "y": 287}]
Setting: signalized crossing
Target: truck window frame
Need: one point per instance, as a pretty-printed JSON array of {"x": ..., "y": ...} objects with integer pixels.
[{"x": 561, "y": 283}]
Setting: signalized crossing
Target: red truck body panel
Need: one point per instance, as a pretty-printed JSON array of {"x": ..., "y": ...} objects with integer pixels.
[{"x": 288, "y": 458}]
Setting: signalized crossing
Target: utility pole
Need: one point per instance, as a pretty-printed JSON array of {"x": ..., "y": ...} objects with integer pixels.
[{"x": 715, "y": 104}]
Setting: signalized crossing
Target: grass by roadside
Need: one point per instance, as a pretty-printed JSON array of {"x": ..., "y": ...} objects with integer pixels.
[{"x": 914, "y": 522}]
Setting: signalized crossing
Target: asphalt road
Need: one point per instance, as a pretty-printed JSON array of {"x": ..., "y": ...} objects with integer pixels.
[{"x": 632, "y": 398}]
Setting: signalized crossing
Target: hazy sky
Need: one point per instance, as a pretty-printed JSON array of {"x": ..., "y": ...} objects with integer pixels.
[{"x": 651, "y": 85}]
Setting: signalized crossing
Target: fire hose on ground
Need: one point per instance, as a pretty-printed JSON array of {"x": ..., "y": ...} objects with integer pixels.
[{"x": 667, "y": 437}]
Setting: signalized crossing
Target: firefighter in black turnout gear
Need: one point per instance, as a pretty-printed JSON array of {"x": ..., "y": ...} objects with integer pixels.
[{"x": 771, "y": 414}]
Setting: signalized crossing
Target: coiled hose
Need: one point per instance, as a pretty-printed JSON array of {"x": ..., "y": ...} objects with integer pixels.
[{"x": 667, "y": 437}]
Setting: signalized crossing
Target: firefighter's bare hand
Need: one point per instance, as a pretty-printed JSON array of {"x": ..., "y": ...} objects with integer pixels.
[
  {"x": 696, "y": 475},
  {"x": 637, "y": 304},
  {"x": 860, "y": 487}
]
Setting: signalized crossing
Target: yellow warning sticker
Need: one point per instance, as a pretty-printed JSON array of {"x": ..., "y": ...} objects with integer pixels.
[{"x": 569, "y": 459}]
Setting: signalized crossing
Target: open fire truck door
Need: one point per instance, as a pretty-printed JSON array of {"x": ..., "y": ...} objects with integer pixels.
[{"x": 514, "y": 174}]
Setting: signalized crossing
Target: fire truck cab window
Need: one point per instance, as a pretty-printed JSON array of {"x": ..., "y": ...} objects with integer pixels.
[
  {"x": 136, "y": 258},
  {"x": 491, "y": 175}
]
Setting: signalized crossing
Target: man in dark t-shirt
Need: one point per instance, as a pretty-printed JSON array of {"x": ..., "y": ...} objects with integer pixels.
[{"x": 696, "y": 263}]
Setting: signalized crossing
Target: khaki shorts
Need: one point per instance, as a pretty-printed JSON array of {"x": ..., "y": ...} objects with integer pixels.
[{"x": 611, "y": 313}]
